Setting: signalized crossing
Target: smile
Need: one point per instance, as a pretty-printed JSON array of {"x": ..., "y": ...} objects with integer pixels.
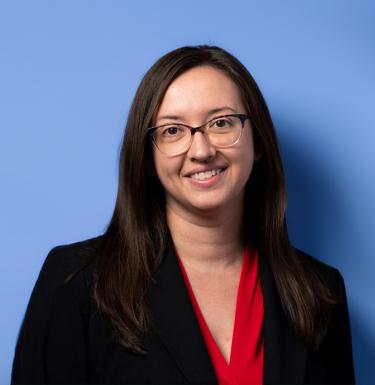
[{"x": 207, "y": 174}]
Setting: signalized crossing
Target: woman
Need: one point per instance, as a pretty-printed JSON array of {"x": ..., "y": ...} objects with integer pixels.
[{"x": 195, "y": 279}]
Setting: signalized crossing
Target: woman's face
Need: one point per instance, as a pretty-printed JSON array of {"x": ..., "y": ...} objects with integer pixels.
[{"x": 190, "y": 99}]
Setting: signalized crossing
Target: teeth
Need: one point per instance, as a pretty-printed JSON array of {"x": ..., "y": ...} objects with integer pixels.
[{"x": 206, "y": 174}]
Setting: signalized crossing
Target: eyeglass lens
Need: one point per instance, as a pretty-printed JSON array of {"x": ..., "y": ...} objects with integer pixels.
[{"x": 173, "y": 139}]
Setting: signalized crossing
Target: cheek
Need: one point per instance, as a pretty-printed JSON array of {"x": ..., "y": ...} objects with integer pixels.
[
  {"x": 248, "y": 149},
  {"x": 167, "y": 169},
  {"x": 246, "y": 166},
  {"x": 246, "y": 161},
  {"x": 160, "y": 171}
]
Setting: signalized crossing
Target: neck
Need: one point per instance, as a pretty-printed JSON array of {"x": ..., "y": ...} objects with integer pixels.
[{"x": 211, "y": 241}]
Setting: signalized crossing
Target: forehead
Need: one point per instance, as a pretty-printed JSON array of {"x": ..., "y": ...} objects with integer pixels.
[{"x": 198, "y": 91}]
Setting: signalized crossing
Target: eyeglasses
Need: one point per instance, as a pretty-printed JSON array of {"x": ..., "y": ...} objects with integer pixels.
[{"x": 176, "y": 138}]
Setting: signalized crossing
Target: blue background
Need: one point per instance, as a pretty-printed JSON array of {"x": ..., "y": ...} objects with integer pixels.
[{"x": 68, "y": 73}]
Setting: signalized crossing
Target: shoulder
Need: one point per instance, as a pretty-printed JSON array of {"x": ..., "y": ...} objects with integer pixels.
[
  {"x": 68, "y": 271},
  {"x": 53, "y": 326},
  {"x": 64, "y": 282},
  {"x": 335, "y": 350},
  {"x": 74, "y": 254},
  {"x": 328, "y": 274},
  {"x": 63, "y": 260}
]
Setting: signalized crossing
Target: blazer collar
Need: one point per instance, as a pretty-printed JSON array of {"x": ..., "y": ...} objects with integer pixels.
[{"x": 175, "y": 322}]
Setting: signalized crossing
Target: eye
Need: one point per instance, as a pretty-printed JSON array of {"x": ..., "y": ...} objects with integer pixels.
[
  {"x": 171, "y": 131},
  {"x": 222, "y": 123}
]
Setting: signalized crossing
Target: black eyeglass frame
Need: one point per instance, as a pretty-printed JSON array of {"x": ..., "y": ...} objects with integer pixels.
[{"x": 243, "y": 117}]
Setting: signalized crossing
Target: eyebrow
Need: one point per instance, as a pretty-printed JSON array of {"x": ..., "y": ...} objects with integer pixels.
[{"x": 210, "y": 112}]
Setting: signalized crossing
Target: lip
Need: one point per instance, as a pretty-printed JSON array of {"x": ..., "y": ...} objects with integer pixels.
[
  {"x": 207, "y": 182},
  {"x": 204, "y": 169}
]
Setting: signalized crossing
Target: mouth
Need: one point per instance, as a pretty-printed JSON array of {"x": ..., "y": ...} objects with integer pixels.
[{"x": 206, "y": 174}]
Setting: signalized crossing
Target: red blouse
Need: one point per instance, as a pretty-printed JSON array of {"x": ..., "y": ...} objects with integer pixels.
[{"x": 246, "y": 358}]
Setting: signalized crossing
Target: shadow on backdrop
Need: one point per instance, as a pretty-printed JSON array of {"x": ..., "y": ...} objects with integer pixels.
[{"x": 320, "y": 224}]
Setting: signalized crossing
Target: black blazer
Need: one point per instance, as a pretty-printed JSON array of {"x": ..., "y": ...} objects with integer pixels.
[{"x": 65, "y": 339}]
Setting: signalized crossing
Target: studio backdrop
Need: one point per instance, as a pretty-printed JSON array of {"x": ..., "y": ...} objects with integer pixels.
[{"x": 68, "y": 72}]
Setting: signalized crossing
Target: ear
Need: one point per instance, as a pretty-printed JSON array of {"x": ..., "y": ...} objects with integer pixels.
[
  {"x": 258, "y": 156},
  {"x": 258, "y": 147},
  {"x": 258, "y": 153},
  {"x": 151, "y": 171}
]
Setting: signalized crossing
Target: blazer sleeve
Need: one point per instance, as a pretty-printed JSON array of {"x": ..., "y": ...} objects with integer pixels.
[
  {"x": 342, "y": 369},
  {"x": 332, "y": 363},
  {"x": 52, "y": 343}
]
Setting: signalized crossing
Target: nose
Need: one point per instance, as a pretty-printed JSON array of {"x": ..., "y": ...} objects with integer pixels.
[{"x": 201, "y": 149}]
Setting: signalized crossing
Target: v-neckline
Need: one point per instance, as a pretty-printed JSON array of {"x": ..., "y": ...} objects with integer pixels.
[{"x": 238, "y": 294}]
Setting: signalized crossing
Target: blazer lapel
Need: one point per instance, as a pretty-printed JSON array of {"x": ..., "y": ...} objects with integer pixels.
[
  {"x": 174, "y": 321},
  {"x": 284, "y": 353}
]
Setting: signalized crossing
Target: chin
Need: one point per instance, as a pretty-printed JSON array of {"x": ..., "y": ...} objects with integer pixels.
[{"x": 207, "y": 206}]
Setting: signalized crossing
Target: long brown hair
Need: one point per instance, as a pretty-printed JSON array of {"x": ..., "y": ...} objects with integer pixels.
[{"x": 134, "y": 241}]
